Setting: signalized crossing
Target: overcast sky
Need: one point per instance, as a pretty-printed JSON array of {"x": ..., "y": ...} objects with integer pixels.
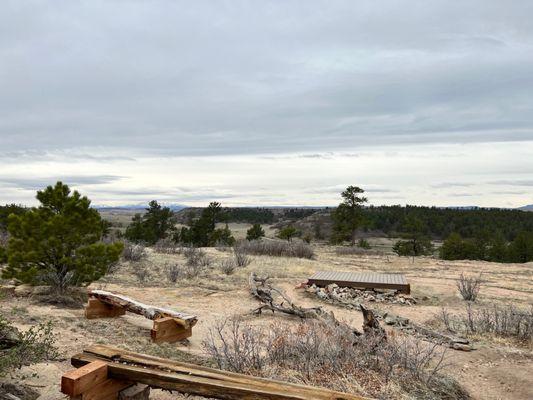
[{"x": 268, "y": 102}]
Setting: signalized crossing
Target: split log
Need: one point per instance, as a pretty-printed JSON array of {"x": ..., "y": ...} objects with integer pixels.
[{"x": 148, "y": 311}]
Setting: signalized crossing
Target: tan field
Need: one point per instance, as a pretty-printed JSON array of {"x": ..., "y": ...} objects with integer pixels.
[{"x": 497, "y": 369}]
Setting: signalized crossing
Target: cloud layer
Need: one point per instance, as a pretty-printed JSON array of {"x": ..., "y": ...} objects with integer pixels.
[{"x": 113, "y": 83}]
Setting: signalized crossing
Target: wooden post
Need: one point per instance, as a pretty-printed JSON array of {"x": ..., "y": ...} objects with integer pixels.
[
  {"x": 98, "y": 309},
  {"x": 169, "y": 330}
]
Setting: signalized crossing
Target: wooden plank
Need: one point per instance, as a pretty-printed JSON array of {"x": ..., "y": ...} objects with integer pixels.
[
  {"x": 206, "y": 382},
  {"x": 148, "y": 311},
  {"x": 98, "y": 309},
  {"x": 361, "y": 280},
  {"x": 169, "y": 330},
  {"x": 75, "y": 382},
  {"x": 108, "y": 390},
  {"x": 124, "y": 356}
]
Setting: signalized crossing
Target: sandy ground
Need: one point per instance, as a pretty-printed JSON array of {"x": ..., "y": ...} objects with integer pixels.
[{"x": 498, "y": 369}]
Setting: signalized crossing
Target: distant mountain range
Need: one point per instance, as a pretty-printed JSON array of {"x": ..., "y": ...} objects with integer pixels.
[{"x": 527, "y": 208}]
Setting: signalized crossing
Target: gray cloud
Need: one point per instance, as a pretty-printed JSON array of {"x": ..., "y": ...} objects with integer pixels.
[
  {"x": 444, "y": 185},
  {"x": 216, "y": 78},
  {"x": 41, "y": 183},
  {"x": 511, "y": 182}
]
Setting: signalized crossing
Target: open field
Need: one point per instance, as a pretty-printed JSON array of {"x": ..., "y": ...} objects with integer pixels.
[{"x": 497, "y": 369}]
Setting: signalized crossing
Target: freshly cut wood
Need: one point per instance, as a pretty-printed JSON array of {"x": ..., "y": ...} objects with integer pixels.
[
  {"x": 75, "y": 382},
  {"x": 106, "y": 390},
  {"x": 167, "y": 329},
  {"x": 148, "y": 311},
  {"x": 98, "y": 309},
  {"x": 198, "y": 380}
]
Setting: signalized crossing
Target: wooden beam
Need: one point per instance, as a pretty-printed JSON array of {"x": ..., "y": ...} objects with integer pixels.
[
  {"x": 75, "y": 382},
  {"x": 98, "y": 309},
  {"x": 198, "y": 380},
  {"x": 168, "y": 330},
  {"x": 106, "y": 390}
]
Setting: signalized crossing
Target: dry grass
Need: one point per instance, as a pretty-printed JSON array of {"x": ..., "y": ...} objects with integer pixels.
[
  {"x": 276, "y": 248},
  {"x": 333, "y": 357}
]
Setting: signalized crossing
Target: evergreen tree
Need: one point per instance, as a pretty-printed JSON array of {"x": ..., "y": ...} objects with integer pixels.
[
  {"x": 255, "y": 232},
  {"x": 348, "y": 216},
  {"x": 417, "y": 243},
  {"x": 202, "y": 231},
  {"x": 59, "y": 242},
  {"x": 288, "y": 233},
  {"x": 157, "y": 223}
]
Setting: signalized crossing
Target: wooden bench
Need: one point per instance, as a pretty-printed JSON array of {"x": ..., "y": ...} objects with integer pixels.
[
  {"x": 109, "y": 371},
  {"x": 169, "y": 325}
]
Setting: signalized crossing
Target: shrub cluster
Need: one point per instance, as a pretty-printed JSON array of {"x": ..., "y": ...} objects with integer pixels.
[
  {"x": 25, "y": 348},
  {"x": 276, "y": 248},
  {"x": 331, "y": 356},
  {"x": 489, "y": 248},
  {"x": 504, "y": 321}
]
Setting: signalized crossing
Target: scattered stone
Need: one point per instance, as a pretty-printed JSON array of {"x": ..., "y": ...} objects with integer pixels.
[
  {"x": 23, "y": 290},
  {"x": 135, "y": 392}
]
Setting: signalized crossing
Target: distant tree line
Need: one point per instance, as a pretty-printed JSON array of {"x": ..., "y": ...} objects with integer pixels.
[
  {"x": 489, "y": 247},
  {"x": 440, "y": 223}
]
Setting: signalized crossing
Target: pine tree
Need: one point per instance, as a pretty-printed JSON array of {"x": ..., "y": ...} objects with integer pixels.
[
  {"x": 255, "y": 232},
  {"x": 59, "y": 242},
  {"x": 348, "y": 216}
]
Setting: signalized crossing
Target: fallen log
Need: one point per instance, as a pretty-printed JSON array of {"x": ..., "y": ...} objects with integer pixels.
[
  {"x": 370, "y": 323},
  {"x": 263, "y": 291},
  {"x": 198, "y": 380},
  {"x": 148, "y": 311}
]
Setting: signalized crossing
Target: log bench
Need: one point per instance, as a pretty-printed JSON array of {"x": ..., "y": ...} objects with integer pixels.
[{"x": 169, "y": 325}]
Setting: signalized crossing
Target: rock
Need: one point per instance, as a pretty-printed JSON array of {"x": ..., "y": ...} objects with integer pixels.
[
  {"x": 460, "y": 340},
  {"x": 135, "y": 392},
  {"x": 462, "y": 347},
  {"x": 23, "y": 291},
  {"x": 331, "y": 287},
  {"x": 390, "y": 320},
  {"x": 371, "y": 298},
  {"x": 10, "y": 391},
  {"x": 322, "y": 295},
  {"x": 7, "y": 290},
  {"x": 402, "y": 321}
]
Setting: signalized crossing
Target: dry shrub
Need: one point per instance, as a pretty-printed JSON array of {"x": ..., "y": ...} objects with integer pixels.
[
  {"x": 356, "y": 251},
  {"x": 504, "y": 321},
  {"x": 196, "y": 256},
  {"x": 141, "y": 272},
  {"x": 133, "y": 252},
  {"x": 173, "y": 272},
  {"x": 228, "y": 266},
  {"x": 167, "y": 246},
  {"x": 276, "y": 248},
  {"x": 317, "y": 354},
  {"x": 241, "y": 258},
  {"x": 469, "y": 286},
  {"x": 24, "y": 348}
]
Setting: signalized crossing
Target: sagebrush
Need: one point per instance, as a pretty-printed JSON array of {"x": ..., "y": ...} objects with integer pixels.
[
  {"x": 314, "y": 353},
  {"x": 276, "y": 248}
]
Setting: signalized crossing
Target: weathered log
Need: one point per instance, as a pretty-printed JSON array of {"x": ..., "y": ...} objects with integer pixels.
[
  {"x": 265, "y": 293},
  {"x": 145, "y": 310},
  {"x": 371, "y": 324},
  {"x": 199, "y": 380}
]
